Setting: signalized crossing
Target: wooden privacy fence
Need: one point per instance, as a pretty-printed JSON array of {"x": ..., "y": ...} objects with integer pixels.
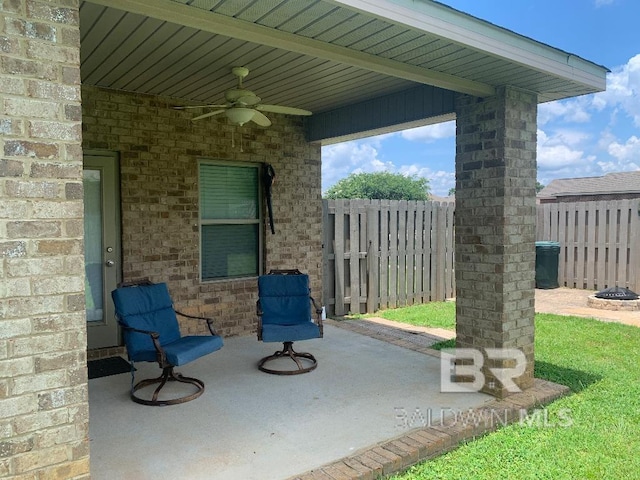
[
  {"x": 597, "y": 242},
  {"x": 384, "y": 254}
]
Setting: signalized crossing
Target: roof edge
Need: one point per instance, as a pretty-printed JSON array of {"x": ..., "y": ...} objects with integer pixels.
[{"x": 465, "y": 29}]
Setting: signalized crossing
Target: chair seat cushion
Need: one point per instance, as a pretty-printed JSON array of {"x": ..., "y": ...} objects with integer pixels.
[
  {"x": 190, "y": 348},
  {"x": 290, "y": 333},
  {"x": 183, "y": 350}
]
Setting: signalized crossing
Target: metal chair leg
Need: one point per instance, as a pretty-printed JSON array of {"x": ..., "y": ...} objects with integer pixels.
[
  {"x": 288, "y": 351},
  {"x": 168, "y": 375}
]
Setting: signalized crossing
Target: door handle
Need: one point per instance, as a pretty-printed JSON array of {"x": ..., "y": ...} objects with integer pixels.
[{"x": 109, "y": 263}]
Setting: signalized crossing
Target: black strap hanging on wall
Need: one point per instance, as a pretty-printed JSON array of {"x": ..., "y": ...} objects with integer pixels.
[{"x": 268, "y": 177}]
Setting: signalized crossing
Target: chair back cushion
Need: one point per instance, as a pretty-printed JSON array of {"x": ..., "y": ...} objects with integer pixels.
[
  {"x": 284, "y": 299},
  {"x": 146, "y": 307}
]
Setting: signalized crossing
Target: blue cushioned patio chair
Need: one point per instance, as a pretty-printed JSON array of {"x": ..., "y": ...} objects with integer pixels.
[
  {"x": 151, "y": 334},
  {"x": 284, "y": 315}
]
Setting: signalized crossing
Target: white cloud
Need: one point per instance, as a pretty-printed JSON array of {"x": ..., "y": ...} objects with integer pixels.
[
  {"x": 622, "y": 97},
  {"x": 572, "y": 110},
  {"x": 626, "y": 152},
  {"x": 569, "y": 137},
  {"x": 430, "y": 133},
  {"x": 440, "y": 181},
  {"x": 626, "y": 156},
  {"x": 559, "y": 153},
  {"x": 342, "y": 159},
  {"x": 623, "y": 91}
]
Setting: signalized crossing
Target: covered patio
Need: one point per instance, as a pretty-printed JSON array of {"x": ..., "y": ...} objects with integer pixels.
[
  {"x": 93, "y": 86},
  {"x": 372, "y": 406}
]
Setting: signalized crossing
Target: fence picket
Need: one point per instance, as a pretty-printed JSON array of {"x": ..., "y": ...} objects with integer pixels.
[
  {"x": 393, "y": 255},
  {"x": 580, "y": 244},
  {"x": 450, "y": 286},
  {"x": 623, "y": 247},
  {"x": 373, "y": 258},
  {"x": 601, "y": 244},
  {"x": 411, "y": 252},
  {"x": 338, "y": 251},
  {"x": 384, "y": 253},
  {"x": 354, "y": 257},
  {"x": 428, "y": 252},
  {"x": 592, "y": 249},
  {"x": 402, "y": 254},
  {"x": 569, "y": 221}
]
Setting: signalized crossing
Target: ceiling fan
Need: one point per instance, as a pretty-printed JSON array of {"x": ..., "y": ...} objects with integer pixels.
[{"x": 243, "y": 105}]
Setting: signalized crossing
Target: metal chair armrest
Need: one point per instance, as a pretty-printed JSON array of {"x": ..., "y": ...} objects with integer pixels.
[
  {"x": 161, "y": 357},
  {"x": 137, "y": 330},
  {"x": 318, "y": 315},
  {"x": 207, "y": 319}
]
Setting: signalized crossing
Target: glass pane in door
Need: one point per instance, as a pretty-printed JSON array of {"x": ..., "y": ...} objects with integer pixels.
[{"x": 93, "y": 248}]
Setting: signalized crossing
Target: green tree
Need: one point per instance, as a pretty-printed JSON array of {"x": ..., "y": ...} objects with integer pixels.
[
  {"x": 380, "y": 186},
  {"x": 539, "y": 187}
]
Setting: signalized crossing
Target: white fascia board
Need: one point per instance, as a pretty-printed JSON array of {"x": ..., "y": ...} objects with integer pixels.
[
  {"x": 469, "y": 31},
  {"x": 181, "y": 14},
  {"x": 390, "y": 129}
]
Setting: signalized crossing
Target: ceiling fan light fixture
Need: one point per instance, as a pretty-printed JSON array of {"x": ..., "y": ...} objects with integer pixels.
[
  {"x": 239, "y": 115},
  {"x": 243, "y": 105}
]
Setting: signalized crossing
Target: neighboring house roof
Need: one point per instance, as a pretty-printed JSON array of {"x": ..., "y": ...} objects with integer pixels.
[
  {"x": 609, "y": 184},
  {"x": 436, "y": 198}
]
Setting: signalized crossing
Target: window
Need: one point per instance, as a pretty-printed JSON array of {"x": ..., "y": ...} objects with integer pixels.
[{"x": 230, "y": 236}]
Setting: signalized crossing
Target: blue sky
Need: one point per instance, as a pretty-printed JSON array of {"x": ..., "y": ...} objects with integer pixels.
[{"x": 585, "y": 136}]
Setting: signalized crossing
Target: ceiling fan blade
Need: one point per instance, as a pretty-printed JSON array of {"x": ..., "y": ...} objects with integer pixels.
[
  {"x": 185, "y": 107},
  {"x": 282, "y": 109},
  {"x": 261, "y": 119},
  {"x": 210, "y": 114},
  {"x": 248, "y": 100}
]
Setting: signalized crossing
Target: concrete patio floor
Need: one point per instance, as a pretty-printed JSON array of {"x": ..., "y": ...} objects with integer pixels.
[{"x": 363, "y": 412}]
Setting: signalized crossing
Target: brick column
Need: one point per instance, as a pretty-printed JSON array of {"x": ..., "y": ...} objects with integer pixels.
[
  {"x": 495, "y": 227},
  {"x": 43, "y": 376}
]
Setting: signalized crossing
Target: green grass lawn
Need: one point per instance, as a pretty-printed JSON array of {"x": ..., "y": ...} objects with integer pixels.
[
  {"x": 594, "y": 433},
  {"x": 436, "y": 314}
]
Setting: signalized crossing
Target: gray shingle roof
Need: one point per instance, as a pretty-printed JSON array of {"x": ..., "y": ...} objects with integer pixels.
[{"x": 611, "y": 183}]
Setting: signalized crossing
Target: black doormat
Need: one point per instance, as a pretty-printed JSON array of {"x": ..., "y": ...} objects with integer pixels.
[{"x": 107, "y": 366}]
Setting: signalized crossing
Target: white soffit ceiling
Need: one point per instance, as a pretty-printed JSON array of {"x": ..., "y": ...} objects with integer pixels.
[{"x": 316, "y": 55}]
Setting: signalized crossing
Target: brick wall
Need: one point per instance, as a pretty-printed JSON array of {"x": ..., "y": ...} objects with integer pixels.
[
  {"x": 495, "y": 226},
  {"x": 159, "y": 148},
  {"x": 43, "y": 384}
]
